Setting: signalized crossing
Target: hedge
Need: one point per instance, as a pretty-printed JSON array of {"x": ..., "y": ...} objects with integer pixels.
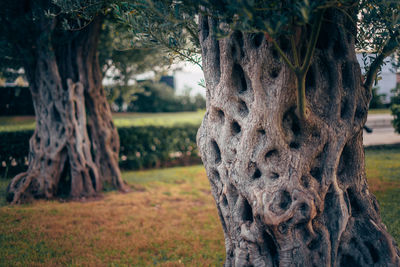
[
  {"x": 16, "y": 101},
  {"x": 141, "y": 147}
]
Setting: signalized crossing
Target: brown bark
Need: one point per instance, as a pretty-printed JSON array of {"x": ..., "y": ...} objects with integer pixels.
[
  {"x": 290, "y": 192},
  {"x": 82, "y": 63},
  {"x": 65, "y": 81}
]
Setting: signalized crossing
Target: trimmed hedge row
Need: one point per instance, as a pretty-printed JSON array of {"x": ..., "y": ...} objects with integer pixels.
[
  {"x": 141, "y": 147},
  {"x": 16, "y": 101}
]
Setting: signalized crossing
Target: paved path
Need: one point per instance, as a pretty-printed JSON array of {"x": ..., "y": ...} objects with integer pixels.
[{"x": 383, "y": 132}]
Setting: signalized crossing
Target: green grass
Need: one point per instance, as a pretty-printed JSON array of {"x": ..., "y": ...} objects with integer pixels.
[
  {"x": 169, "y": 219},
  {"x": 120, "y": 119},
  {"x": 379, "y": 111}
]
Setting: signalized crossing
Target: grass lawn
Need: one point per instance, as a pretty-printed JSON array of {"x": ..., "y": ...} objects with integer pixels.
[
  {"x": 169, "y": 220},
  {"x": 14, "y": 123}
]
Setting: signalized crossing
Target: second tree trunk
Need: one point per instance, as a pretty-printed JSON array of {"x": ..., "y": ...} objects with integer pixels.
[{"x": 74, "y": 150}]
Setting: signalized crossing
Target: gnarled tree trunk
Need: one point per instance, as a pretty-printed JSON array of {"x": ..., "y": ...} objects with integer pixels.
[
  {"x": 290, "y": 192},
  {"x": 65, "y": 157}
]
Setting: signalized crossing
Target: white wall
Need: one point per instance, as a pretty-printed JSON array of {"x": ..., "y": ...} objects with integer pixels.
[{"x": 388, "y": 81}]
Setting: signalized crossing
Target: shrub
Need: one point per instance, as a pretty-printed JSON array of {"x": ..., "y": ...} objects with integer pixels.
[
  {"x": 159, "y": 97},
  {"x": 395, "y": 108},
  {"x": 16, "y": 101},
  {"x": 141, "y": 147}
]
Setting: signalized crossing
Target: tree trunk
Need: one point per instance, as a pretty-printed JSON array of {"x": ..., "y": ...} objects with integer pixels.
[
  {"x": 65, "y": 158},
  {"x": 290, "y": 192},
  {"x": 83, "y": 64}
]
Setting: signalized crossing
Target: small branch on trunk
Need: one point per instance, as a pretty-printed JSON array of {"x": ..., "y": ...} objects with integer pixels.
[
  {"x": 301, "y": 69},
  {"x": 294, "y": 50},
  {"x": 280, "y": 51},
  {"x": 313, "y": 42},
  {"x": 389, "y": 48}
]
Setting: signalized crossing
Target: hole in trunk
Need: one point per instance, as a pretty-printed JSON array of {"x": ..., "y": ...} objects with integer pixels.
[
  {"x": 271, "y": 153},
  {"x": 221, "y": 116},
  {"x": 305, "y": 181},
  {"x": 93, "y": 178},
  {"x": 325, "y": 36},
  {"x": 344, "y": 168},
  {"x": 339, "y": 48},
  {"x": 347, "y": 76},
  {"x": 291, "y": 127},
  {"x": 285, "y": 43},
  {"x": 348, "y": 260},
  {"x": 217, "y": 62},
  {"x": 224, "y": 200},
  {"x": 314, "y": 244},
  {"x": 237, "y": 45},
  {"x": 271, "y": 247},
  {"x": 218, "y": 115},
  {"x": 373, "y": 251},
  {"x": 294, "y": 145},
  {"x": 304, "y": 209},
  {"x": 243, "y": 110},
  {"x": 237, "y": 36},
  {"x": 205, "y": 28},
  {"x": 215, "y": 152},
  {"x": 257, "y": 39},
  {"x": 283, "y": 228},
  {"x": 274, "y": 72},
  {"x": 235, "y": 128},
  {"x": 275, "y": 54},
  {"x": 356, "y": 207},
  {"x": 215, "y": 175},
  {"x": 316, "y": 173},
  {"x": 247, "y": 212},
  {"x": 261, "y": 131},
  {"x": 239, "y": 78},
  {"x": 254, "y": 171},
  {"x": 76, "y": 111},
  {"x": 274, "y": 176},
  {"x": 64, "y": 184},
  {"x": 257, "y": 174},
  {"x": 281, "y": 202},
  {"x": 310, "y": 78},
  {"x": 344, "y": 108},
  {"x": 285, "y": 200},
  {"x": 56, "y": 114}
]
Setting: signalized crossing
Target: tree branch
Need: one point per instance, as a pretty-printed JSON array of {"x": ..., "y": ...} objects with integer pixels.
[
  {"x": 390, "y": 47},
  {"x": 294, "y": 50},
  {"x": 281, "y": 53},
  {"x": 313, "y": 42}
]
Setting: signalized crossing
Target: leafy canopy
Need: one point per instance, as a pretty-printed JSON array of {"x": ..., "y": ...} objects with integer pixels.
[{"x": 173, "y": 24}]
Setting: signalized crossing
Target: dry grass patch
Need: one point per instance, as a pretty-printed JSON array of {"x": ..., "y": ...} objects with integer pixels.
[
  {"x": 172, "y": 223},
  {"x": 169, "y": 220}
]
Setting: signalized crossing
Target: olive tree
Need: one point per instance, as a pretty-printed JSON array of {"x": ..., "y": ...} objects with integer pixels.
[
  {"x": 74, "y": 149},
  {"x": 281, "y": 140}
]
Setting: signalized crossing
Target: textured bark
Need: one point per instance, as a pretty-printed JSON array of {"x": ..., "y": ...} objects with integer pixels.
[
  {"x": 290, "y": 193},
  {"x": 82, "y": 64},
  {"x": 65, "y": 158}
]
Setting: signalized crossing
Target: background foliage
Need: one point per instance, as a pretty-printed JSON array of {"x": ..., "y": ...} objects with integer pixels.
[
  {"x": 141, "y": 147},
  {"x": 16, "y": 101}
]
